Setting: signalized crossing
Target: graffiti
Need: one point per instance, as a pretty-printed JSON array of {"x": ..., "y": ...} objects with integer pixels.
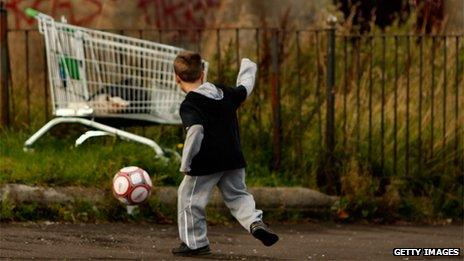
[
  {"x": 158, "y": 13},
  {"x": 177, "y": 14},
  {"x": 53, "y": 8}
]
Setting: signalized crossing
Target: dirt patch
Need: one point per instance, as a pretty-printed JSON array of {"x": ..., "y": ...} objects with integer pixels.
[{"x": 122, "y": 241}]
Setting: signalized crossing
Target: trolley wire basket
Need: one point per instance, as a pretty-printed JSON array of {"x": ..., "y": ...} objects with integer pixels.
[{"x": 95, "y": 74}]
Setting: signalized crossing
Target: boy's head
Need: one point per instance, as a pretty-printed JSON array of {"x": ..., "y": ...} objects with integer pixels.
[{"x": 188, "y": 67}]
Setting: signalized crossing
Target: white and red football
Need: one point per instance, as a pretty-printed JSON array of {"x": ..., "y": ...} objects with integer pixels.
[{"x": 132, "y": 185}]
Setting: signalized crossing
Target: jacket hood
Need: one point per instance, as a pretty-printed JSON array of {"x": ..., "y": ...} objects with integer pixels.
[{"x": 210, "y": 90}]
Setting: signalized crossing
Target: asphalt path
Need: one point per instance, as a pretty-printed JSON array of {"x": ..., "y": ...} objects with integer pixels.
[{"x": 133, "y": 241}]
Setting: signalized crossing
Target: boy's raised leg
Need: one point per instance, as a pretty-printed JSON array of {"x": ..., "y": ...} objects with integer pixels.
[
  {"x": 236, "y": 197},
  {"x": 242, "y": 206}
]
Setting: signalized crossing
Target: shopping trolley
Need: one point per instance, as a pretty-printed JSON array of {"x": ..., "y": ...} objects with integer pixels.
[{"x": 99, "y": 75}]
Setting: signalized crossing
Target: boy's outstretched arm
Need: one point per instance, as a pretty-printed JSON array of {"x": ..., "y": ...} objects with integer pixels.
[
  {"x": 192, "y": 146},
  {"x": 247, "y": 75}
]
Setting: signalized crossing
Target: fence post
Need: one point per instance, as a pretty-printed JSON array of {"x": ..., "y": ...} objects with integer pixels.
[
  {"x": 275, "y": 92},
  {"x": 4, "y": 70},
  {"x": 330, "y": 111}
]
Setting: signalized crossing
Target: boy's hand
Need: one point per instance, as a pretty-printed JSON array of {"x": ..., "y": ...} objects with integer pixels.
[{"x": 247, "y": 74}]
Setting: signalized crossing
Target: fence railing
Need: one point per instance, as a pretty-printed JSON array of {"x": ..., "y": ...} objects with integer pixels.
[{"x": 393, "y": 102}]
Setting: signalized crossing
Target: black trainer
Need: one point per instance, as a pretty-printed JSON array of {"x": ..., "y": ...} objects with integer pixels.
[
  {"x": 262, "y": 232},
  {"x": 184, "y": 250}
]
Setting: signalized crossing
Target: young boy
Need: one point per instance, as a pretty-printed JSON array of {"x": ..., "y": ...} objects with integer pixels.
[{"x": 212, "y": 154}]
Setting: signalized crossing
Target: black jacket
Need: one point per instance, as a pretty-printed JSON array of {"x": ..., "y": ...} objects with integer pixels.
[{"x": 220, "y": 148}]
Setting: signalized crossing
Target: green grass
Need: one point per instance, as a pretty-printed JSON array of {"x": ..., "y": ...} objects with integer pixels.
[{"x": 56, "y": 162}]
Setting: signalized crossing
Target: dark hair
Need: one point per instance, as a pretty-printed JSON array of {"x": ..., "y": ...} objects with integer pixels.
[{"x": 188, "y": 66}]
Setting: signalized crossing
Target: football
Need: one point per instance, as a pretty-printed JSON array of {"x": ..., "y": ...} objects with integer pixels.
[{"x": 132, "y": 185}]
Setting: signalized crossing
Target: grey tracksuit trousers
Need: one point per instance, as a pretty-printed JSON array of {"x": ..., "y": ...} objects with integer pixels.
[{"x": 193, "y": 195}]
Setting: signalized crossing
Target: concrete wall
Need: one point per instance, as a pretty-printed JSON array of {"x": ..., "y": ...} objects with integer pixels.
[
  {"x": 116, "y": 13},
  {"x": 191, "y": 13},
  {"x": 165, "y": 13}
]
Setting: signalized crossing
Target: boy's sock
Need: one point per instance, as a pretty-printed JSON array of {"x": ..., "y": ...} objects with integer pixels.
[{"x": 262, "y": 232}]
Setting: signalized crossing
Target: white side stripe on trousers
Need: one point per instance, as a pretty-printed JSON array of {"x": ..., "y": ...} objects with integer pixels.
[
  {"x": 186, "y": 220},
  {"x": 186, "y": 233}
]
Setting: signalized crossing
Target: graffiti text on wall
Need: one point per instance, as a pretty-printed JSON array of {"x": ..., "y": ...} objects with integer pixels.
[
  {"x": 157, "y": 13},
  {"x": 54, "y": 7}
]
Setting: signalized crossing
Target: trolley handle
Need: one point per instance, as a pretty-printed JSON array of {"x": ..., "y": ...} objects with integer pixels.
[
  {"x": 31, "y": 12},
  {"x": 41, "y": 17}
]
